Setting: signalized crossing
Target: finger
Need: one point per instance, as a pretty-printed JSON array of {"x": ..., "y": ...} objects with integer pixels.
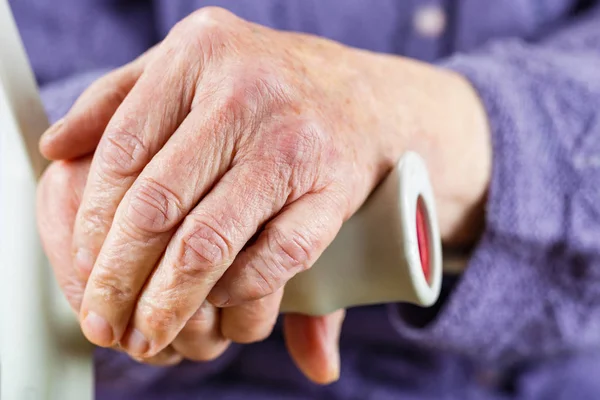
[
  {"x": 134, "y": 135},
  {"x": 59, "y": 195},
  {"x": 79, "y": 132},
  {"x": 58, "y": 198},
  {"x": 251, "y": 322},
  {"x": 289, "y": 244},
  {"x": 148, "y": 216},
  {"x": 313, "y": 343},
  {"x": 205, "y": 244},
  {"x": 201, "y": 338},
  {"x": 138, "y": 129}
]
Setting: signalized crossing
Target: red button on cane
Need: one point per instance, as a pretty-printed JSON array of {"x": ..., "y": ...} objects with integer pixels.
[{"x": 423, "y": 238}]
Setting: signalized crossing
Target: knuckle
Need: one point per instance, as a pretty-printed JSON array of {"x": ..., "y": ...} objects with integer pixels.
[
  {"x": 205, "y": 249},
  {"x": 287, "y": 256},
  {"x": 110, "y": 287},
  {"x": 94, "y": 219},
  {"x": 212, "y": 17},
  {"x": 298, "y": 143},
  {"x": 295, "y": 151},
  {"x": 252, "y": 92},
  {"x": 209, "y": 28},
  {"x": 265, "y": 280},
  {"x": 153, "y": 208},
  {"x": 159, "y": 319},
  {"x": 124, "y": 153},
  {"x": 294, "y": 251},
  {"x": 232, "y": 111}
]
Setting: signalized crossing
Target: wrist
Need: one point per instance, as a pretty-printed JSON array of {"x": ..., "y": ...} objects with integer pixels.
[
  {"x": 440, "y": 116},
  {"x": 454, "y": 138}
]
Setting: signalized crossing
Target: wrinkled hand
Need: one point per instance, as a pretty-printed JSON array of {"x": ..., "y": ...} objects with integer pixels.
[
  {"x": 312, "y": 342},
  {"x": 227, "y": 159}
]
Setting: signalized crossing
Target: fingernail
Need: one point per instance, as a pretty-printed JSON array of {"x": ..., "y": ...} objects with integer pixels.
[
  {"x": 53, "y": 130},
  {"x": 136, "y": 344},
  {"x": 97, "y": 330},
  {"x": 84, "y": 262},
  {"x": 218, "y": 297}
]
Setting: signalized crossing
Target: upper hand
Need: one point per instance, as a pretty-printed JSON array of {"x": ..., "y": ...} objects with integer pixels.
[{"x": 229, "y": 156}]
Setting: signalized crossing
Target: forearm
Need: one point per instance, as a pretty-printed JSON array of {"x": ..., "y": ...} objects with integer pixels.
[{"x": 437, "y": 113}]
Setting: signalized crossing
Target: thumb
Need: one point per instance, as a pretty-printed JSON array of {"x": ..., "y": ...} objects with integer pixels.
[
  {"x": 79, "y": 132},
  {"x": 313, "y": 343}
]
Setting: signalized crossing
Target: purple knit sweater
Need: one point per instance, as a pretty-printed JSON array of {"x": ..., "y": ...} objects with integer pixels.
[{"x": 523, "y": 321}]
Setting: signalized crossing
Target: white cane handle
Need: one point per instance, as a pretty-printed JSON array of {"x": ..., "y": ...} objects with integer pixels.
[{"x": 389, "y": 251}]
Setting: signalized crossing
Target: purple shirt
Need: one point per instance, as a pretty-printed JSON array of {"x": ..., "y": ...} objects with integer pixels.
[{"x": 523, "y": 321}]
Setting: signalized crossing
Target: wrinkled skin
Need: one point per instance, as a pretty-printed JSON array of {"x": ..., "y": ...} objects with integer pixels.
[
  {"x": 311, "y": 341},
  {"x": 224, "y": 162}
]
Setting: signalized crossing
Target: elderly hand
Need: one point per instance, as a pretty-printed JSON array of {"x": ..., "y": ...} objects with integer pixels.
[
  {"x": 312, "y": 341},
  {"x": 227, "y": 159}
]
